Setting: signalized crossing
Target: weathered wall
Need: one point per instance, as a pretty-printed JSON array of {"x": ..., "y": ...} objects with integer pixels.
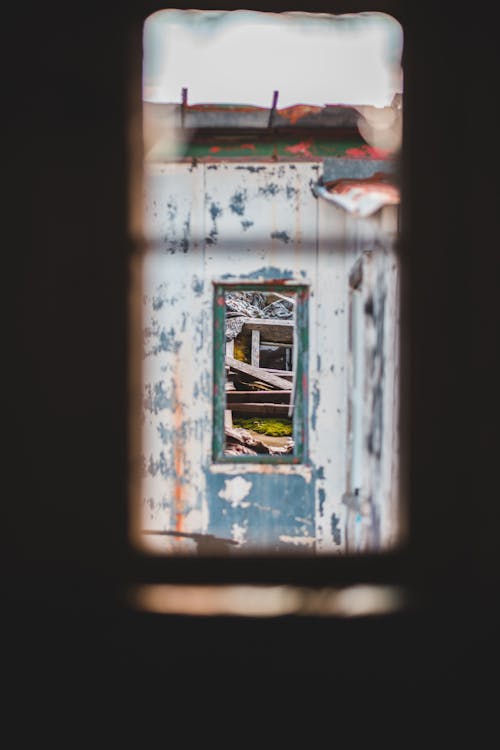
[{"x": 223, "y": 222}]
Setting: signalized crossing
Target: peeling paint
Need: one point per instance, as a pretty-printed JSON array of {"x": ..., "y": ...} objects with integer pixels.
[
  {"x": 237, "y": 202},
  {"x": 315, "y": 403},
  {"x": 270, "y": 189},
  {"x": 283, "y": 236},
  {"x": 157, "y": 399},
  {"x": 215, "y": 211},
  {"x": 184, "y": 242},
  {"x": 246, "y": 225},
  {"x": 239, "y": 532},
  {"x": 166, "y": 340},
  {"x": 321, "y": 500},
  {"x": 235, "y": 490},
  {"x": 335, "y": 528},
  {"x": 299, "y": 541},
  {"x": 250, "y": 168},
  {"x": 267, "y": 273}
]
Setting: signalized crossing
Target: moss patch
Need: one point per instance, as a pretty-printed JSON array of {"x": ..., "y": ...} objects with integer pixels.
[
  {"x": 266, "y": 425},
  {"x": 242, "y": 346}
]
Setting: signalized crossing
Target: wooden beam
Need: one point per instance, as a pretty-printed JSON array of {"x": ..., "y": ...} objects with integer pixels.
[
  {"x": 230, "y": 348},
  {"x": 263, "y": 410},
  {"x": 235, "y": 397},
  {"x": 272, "y": 329},
  {"x": 255, "y": 357},
  {"x": 259, "y": 374},
  {"x": 228, "y": 419}
]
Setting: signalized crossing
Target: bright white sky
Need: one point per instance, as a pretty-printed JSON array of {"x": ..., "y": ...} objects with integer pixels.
[{"x": 241, "y": 57}]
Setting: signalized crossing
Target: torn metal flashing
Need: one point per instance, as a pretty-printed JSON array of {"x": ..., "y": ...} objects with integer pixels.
[{"x": 361, "y": 188}]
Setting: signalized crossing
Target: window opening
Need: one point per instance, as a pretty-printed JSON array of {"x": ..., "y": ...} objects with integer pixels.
[
  {"x": 260, "y": 366},
  {"x": 263, "y": 203}
]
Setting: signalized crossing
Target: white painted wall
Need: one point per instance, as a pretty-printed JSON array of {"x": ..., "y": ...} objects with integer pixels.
[{"x": 202, "y": 223}]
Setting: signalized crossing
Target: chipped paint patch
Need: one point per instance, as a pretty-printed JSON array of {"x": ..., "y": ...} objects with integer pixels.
[
  {"x": 298, "y": 541},
  {"x": 246, "y": 224},
  {"x": 283, "y": 236},
  {"x": 215, "y": 211},
  {"x": 235, "y": 490},
  {"x": 237, "y": 202},
  {"x": 251, "y": 168},
  {"x": 239, "y": 532},
  {"x": 335, "y": 527},
  {"x": 166, "y": 340},
  {"x": 321, "y": 500},
  {"x": 157, "y": 399},
  {"x": 197, "y": 285},
  {"x": 315, "y": 403},
  {"x": 269, "y": 190}
]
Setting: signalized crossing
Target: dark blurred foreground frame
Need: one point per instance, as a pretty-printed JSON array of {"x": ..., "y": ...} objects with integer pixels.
[{"x": 73, "y": 92}]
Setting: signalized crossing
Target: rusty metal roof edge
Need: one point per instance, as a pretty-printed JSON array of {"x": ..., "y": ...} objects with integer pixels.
[
  {"x": 244, "y": 116},
  {"x": 367, "y": 206},
  {"x": 339, "y": 168},
  {"x": 364, "y": 197}
]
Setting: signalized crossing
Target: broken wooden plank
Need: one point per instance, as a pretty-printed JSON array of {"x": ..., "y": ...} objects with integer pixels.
[
  {"x": 230, "y": 348},
  {"x": 280, "y": 373},
  {"x": 228, "y": 419},
  {"x": 255, "y": 355},
  {"x": 259, "y": 374}
]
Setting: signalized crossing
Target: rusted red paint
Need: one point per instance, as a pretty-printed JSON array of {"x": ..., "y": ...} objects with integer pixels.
[
  {"x": 378, "y": 182},
  {"x": 368, "y": 152},
  {"x": 215, "y": 149},
  {"x": 300, "y": 148},
  {"x": 292, "y": 114},
  {"x": 221, "y": 301},
  {"x": 248, "y": 145}
]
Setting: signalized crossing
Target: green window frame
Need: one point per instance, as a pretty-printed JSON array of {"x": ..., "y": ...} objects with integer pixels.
[{"x": 300, "y": 421}]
